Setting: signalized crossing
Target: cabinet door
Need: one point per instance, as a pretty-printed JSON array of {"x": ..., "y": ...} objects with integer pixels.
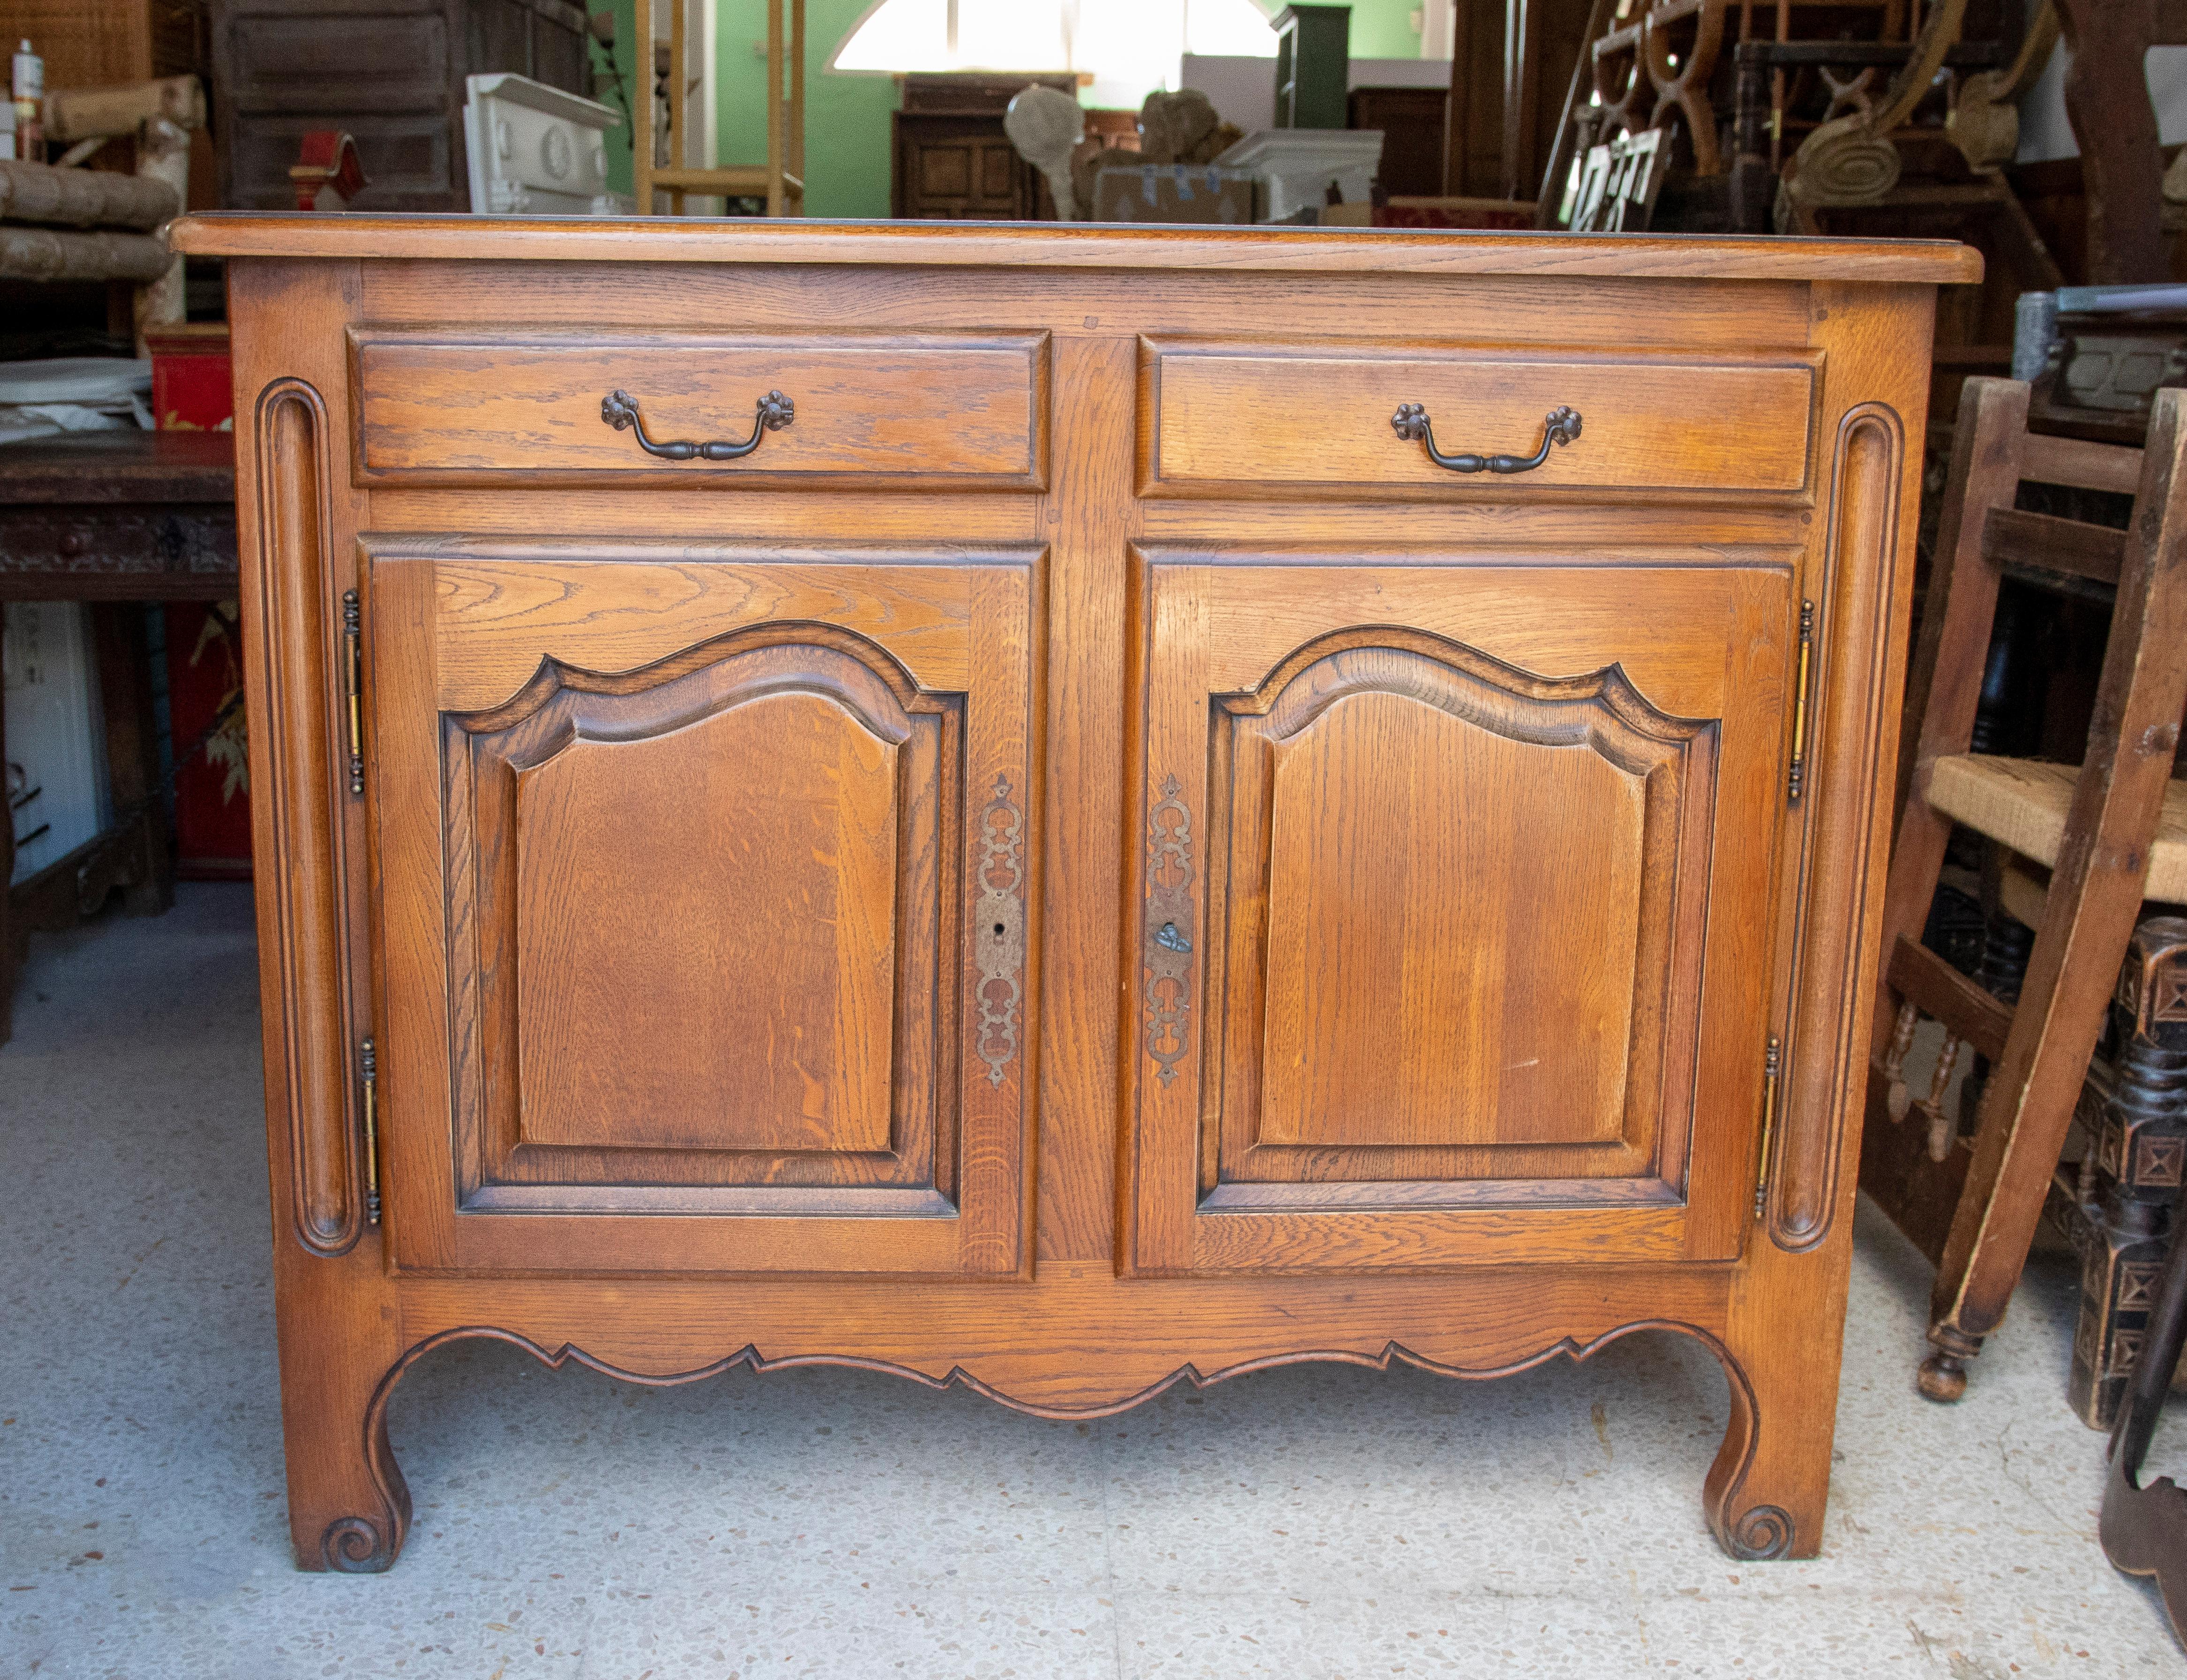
[
  {"x": 1453, "y": 931},
  {"x": 705, "y": 922}
]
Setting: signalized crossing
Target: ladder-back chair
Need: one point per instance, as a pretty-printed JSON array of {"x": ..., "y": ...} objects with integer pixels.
[{"x": 1973, "y": 1201}]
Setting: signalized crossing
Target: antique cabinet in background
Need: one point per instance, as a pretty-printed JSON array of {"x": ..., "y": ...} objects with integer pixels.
[
  {"x": 389, "y": 71},
  {"x": 950, "y": 159},
  {"x": 1064, "y": 810}
]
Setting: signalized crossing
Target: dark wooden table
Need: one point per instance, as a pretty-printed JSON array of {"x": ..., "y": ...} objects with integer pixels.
[{"x": 114, "y": 519}]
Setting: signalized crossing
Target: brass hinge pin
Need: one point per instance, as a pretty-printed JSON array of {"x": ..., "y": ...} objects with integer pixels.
[
  {"x": 368, "y": 1067},
  {"x": 1797, "y": 780},
  {"x": 1771, "y": 1067},
  {"x": 353, "y": 634}
]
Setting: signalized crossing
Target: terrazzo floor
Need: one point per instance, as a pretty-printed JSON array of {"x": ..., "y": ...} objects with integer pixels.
[{"x": 1314, "y": 1521}]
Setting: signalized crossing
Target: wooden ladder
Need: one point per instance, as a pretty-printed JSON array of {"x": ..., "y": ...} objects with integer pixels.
[
  {"x": 2102, "y": 830},
  {"x": 782, "y": 179}
]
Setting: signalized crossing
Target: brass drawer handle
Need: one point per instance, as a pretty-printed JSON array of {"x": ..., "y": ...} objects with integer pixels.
[
  {"x": 620, "y": 410},
  {"x": 1559, "y": 425}
]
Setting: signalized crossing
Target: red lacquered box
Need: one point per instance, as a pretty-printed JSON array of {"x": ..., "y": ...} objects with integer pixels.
[{"x": 190, "y": 390}]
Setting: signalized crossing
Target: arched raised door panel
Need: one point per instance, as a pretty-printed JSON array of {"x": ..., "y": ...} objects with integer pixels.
[
  {"x": 719, "y": 942},
  {"x": 1451, "y": 879},
  {"x": 311, "y": 1056}
]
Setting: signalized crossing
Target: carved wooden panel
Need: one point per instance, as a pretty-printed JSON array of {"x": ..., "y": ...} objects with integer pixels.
[
  {"x": 732, "y": 941},
  {"x": 301, "y": 903},
  {"x": 1446, "y": 950},
  {"x": 754, "y": 840},
  {"x": 1452, "y": 916}
]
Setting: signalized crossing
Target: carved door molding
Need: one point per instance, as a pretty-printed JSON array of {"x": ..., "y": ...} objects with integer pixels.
[
  {"x": 1453, "y": 945},
  {"x": 706, "y": 906}
]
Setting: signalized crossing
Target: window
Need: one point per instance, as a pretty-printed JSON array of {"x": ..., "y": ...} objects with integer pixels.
[{"x": 1130, "y": 48}]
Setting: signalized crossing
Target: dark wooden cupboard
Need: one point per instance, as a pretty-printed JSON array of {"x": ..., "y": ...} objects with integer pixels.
[
  {"x": 389, "y": 71},
  {"x": 950, "y": 159}
]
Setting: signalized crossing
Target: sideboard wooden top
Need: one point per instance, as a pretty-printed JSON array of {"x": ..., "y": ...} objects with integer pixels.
[{"x": 1049, "y": 245}]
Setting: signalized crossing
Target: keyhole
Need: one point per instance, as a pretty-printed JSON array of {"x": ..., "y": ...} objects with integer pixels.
[{"x": 999, "y": 930}]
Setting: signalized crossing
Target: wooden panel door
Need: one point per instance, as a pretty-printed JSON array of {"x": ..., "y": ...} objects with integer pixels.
[
  {"x": 706, "y": 905},
  {"x": 1454, "y": 891}
]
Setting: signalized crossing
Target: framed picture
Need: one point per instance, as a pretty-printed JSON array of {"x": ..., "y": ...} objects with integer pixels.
[{"x": 1594, "y": 182}]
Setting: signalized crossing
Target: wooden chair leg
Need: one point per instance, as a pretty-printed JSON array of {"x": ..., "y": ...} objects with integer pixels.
[
  {"x": 2137, "y": 1120},
  {"x": 125, "y": 695},
  {"x": 2094, "y": 898}
]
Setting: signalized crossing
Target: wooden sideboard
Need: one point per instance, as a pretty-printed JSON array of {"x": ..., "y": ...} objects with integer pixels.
[{"x": 1070, "y": 855}]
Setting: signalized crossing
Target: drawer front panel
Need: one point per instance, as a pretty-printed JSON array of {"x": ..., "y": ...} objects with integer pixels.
[
  {"x": 1224, "y": 417},
  {"x": 1454, "y": 888},
  {"x": 377, "y": 61},
  {"x": 868, "y": 412},
  {"x": 707, "y": 885}
]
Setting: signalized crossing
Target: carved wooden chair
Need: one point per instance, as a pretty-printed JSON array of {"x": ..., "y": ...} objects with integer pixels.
[
  {"x": 1657, "y": 67},
  {"x": 1680, "y": 42},
  {"x": 1625, "y": 99},
  {"x": 2096, "y": 829}
]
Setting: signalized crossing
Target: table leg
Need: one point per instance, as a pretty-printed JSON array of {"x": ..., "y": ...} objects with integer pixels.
[{"x": 131, "y": 754}]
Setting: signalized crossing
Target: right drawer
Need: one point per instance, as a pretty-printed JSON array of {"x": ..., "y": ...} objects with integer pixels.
[{"x": 1222, "y": 418}]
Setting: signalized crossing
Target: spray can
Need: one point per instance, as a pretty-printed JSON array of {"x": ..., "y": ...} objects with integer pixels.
[{"x": 28, "y": 86}]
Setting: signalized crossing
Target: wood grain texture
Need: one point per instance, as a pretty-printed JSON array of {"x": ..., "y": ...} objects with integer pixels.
[
  {"x": 1766, "y": 1489},
  {"x": 750, "y": 830},
  {"x": 336, "y": 1318},
  {"x": 1225, "y": 249},
  {"x": 1854, "y": 693},
  {"x": 292, "y": 472},
  {"x": 455, "y": 408},
  {"x": 1095, "y": 303},
  {"x": 1093, "y": 647},
  {"x": 1453, "y": 948},
  {"x": 1219, "y": 417},
  {"x": 1397, "y": 1096},
  {"x": 499, "y": 602},
  {"x": 1089, "y": 515},
  {"x": 772, "y": 837}
]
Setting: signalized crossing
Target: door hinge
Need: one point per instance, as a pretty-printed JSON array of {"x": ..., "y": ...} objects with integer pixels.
[
  {"x": 1772, "y": 1059},
  {"x": 1796, "y": 781},
  {"x": 368, "y": 1071},
  {"x": 353, "y": 634}
]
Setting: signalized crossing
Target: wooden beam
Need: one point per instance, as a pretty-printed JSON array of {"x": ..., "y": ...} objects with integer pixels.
[
  {"x": 1932, "y": 986},
  {"x": 2045, "y": 545},
  {"x": 2075, "y": 461},
  {"x": 776, "y": 160}
]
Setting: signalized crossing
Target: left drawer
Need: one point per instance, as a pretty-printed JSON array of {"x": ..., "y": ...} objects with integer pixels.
[{"x": 963, "y": 412}]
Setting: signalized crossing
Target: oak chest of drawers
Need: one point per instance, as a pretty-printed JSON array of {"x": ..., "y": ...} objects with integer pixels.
[{"x": 1066, "y": 811}]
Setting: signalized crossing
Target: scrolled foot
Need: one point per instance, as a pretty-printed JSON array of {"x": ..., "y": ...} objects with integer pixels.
[
  {"x": 1763, "y": 1533},
  {"x": 357, "y": 1545},
  {"x": 1942, "y": 1378}
]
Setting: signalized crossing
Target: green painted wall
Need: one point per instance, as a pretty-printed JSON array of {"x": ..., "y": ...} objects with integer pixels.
[
  {"x": 618, "y": 138},
  {"x": 846, "y": 117},
  {"x": 846, "y": 123}
]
